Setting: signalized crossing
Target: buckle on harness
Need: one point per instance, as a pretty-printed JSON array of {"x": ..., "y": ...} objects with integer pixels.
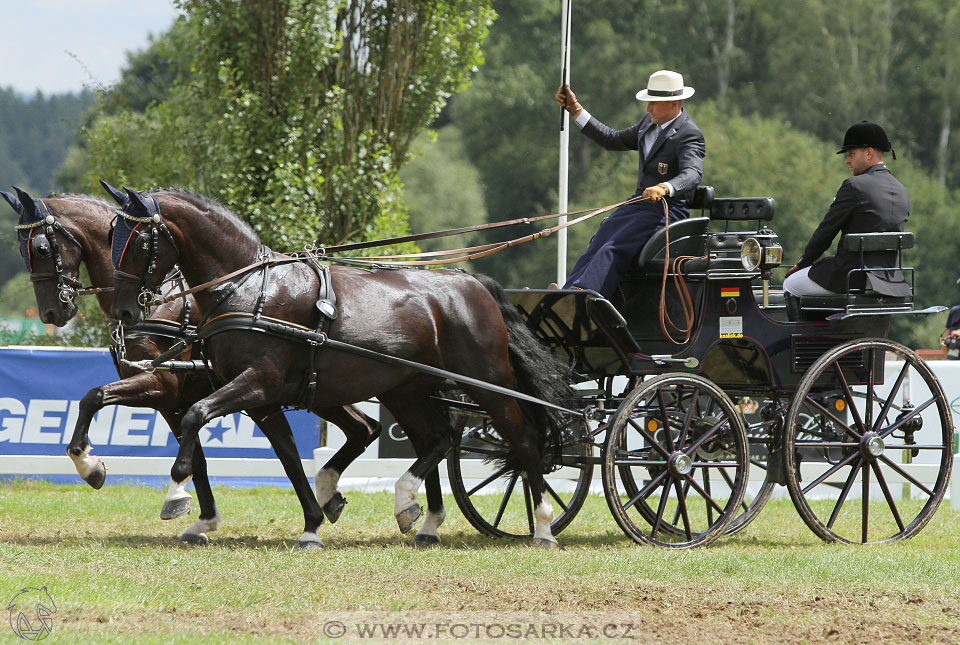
[{"x": 319, "y": 341}]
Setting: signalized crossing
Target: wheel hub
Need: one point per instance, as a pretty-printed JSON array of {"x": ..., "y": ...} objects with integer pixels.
[
  {"x": 680, "y": 464},
  {"x": 871, "y": 445}
]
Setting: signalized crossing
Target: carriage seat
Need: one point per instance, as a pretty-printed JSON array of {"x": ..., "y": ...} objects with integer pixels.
[{"x": 867, "y": 290}]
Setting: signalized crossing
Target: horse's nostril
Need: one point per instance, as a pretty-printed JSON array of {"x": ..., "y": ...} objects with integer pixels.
[{"x": 47, "y": 316}]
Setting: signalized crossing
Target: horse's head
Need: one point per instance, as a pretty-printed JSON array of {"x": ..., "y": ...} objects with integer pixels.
[
  {"x": 143, "y": 252},
  {"x": 52, "y": 255}
]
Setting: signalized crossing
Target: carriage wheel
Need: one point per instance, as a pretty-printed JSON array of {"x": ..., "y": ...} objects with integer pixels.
[
  {"x": 752, "y": 504},
  {"x": 675, "y": 462},
  {"x": 499, "y": 504},
  {"x": 846, "y": 447}
]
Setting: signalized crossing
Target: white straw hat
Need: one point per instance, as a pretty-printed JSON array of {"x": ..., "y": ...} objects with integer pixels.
[{"x": 665, "y": 85}]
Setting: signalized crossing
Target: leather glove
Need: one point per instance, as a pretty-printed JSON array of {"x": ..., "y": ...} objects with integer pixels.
[
  {"x": 656, "y": 193},
  {"x": 568, "y": 101}
]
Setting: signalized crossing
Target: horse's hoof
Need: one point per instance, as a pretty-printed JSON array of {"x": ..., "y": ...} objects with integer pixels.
[
  {"x": 194, "y": 539},
  {"x": 544, "y": 543},
  {"x": 425, "y": 541},
  {"x": 175, "y": 508},
  {"x": 97, "y": 476},
  {"x": 334, "y": 507},
  {"x": 309, "y": 543},
  {"x": 409, "y": 516}
]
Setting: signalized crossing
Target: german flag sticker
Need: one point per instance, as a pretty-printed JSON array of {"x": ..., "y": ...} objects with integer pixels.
[{"x": 730, "y": 292}]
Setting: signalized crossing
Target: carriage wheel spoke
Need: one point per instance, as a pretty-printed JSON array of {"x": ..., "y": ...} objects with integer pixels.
[
  {"x": 886, "y": 493},
  {"x": 865, "y": 503},
  {"x": 528, "y": 504},
  {"x": 676, "y": 513},
  {"x": 554, "y": 495},
  {"x": 506, "y": 498},
  {"x": 840, "y": 422},
  {"x": 707, "y": 497},
  {"x": 487, "y": 481},
  {"x": 899, "y": 422},
  {"x": 682, "y": 505},
  {"x": 848, "y": 396},
  {"x": 726, "y": 478},
  {"x": 692, "y": 448},
  {"x": 686, "y": 422},
  {"x": 649, "y": 437},
  {"x": 663, "y": 504},
  {"x": 847, "y": 485},
  {"x": 900, "y": 471},
  {"x": 646, "y": 490},
  {"x": 706, "y": 487},
  {"x": 819, "y": 480},
  {"x": 889, "y": 402},
  {"x": 668, "y": 437},
  {"x": 868, "y": 412}
]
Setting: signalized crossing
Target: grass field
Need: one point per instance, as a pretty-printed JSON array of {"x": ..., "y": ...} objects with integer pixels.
[{"x": 117, "y": 574}]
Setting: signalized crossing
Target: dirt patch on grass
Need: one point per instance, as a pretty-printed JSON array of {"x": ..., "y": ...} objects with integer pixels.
[{"x": 644, "y": 614}]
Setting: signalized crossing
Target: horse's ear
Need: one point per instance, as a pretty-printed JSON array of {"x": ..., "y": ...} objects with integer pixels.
[
  {"x": 31, "y": 212},
  {"x": 117, "y": 195},
  {"x": 13, "y": 201},
  {"x": 136, "y": 205}
]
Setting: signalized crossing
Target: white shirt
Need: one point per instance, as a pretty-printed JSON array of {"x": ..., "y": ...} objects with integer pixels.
[{"x": 584, "y": 117}]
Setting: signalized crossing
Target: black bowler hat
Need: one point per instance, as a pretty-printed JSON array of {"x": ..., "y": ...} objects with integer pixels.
[{"x": 866, "y": 135}]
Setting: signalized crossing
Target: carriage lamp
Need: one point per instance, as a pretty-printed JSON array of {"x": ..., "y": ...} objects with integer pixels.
[{"x": 760, "y": 253}]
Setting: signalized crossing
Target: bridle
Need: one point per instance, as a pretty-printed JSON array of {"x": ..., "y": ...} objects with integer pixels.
[
  {"x": 67, "y": 287},
  {"x": 149, "y": 295}
]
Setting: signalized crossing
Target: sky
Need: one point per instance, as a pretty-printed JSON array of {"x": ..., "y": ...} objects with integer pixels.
[{"x": 61, "y": 46}]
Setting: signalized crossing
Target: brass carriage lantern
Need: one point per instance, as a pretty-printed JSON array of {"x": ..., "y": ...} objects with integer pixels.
[{"x": 764, "y": 254}]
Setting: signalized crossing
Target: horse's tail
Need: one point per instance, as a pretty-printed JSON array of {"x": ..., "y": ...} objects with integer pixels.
[{"x": 536, "y": 372}]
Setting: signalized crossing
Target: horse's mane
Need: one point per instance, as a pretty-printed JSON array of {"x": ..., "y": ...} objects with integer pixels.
[
  {"x": 209, "y": 204},
  {"x": 81, "y": 197}
]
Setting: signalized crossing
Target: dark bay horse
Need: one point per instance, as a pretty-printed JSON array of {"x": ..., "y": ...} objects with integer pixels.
[
  {"x": 440, "y": 318},
  {"x": 57, "y": 235}
]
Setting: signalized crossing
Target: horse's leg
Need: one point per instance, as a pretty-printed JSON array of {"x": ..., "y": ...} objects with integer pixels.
[
  {"x": 209, "y": 520},
  {"x": 275, "y": 426},
  {"x": 360, "y": 431},
  {"x": 427, "y": 427},
  {"x": 509, "y": 422},
  {"x": 141, "y": 390}
]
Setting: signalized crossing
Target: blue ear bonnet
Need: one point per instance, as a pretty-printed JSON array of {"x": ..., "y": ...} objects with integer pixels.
[
  {"x": 123, "y": 233},
  {"x": 29, "y": 215}
]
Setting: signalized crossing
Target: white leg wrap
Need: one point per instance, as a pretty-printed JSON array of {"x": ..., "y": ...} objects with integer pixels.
[
  {"x": 176, "y": 491},
  {"x": 405, "y": 492},
  {"x": 432, "y": 523},
  {"x": 85, "y": 463},
  {"x": 543, "y": 516},
  {"x": 325, "y": 484},
  {"x": 204, "y": 526}
]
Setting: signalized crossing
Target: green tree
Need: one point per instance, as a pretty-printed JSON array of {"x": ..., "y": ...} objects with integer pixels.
[{"x": 298, "y": 115}]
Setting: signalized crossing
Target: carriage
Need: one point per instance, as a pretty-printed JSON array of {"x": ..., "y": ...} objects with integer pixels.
[{"x": 694, "y": 425}]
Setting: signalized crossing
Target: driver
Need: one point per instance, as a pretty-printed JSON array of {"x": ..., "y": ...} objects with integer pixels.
[
  {"x": 871, "y": 201},
  {"x": 671, "y": 148}
]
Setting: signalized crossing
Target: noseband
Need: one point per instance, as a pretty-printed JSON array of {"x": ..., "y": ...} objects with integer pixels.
[
  {"x": 67, "y": 287},
  {"x": 148, "y": 295}
]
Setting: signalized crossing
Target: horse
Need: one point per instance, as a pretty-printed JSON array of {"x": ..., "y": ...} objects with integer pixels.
[
  {"x": 58, "y": 234},
  {"x": 410, "y": 330}
]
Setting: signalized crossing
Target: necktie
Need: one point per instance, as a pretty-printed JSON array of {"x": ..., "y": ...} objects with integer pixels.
[{"x": 650, "y": 139}]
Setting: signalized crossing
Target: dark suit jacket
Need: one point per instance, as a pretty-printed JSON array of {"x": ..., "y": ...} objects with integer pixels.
[
  {"x": 676, "y": 156},
  {"x": 872, "y": 202}
]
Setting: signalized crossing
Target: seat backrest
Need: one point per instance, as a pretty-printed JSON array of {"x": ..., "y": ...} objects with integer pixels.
[
  {"x": 742, "y": 209},
  {"x": 687, "y": 237},
  {"x": 702, "y": 198},
  {"x": 867, "y": 242}
]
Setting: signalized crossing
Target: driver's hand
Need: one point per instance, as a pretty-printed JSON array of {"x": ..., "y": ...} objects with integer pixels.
[
  {"x": 655, "y": 193},
  {"x": 791, "y": 271},
  {"x": 568, "y": 100}
]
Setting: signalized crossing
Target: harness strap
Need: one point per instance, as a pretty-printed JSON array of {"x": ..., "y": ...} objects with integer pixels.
[{"x": 291, "y": 331}]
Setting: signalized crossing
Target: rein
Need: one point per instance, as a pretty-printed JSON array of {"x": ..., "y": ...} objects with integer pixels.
[
  {"x": 470, "y": 253},
  {"x": 680, "y": 284}
]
